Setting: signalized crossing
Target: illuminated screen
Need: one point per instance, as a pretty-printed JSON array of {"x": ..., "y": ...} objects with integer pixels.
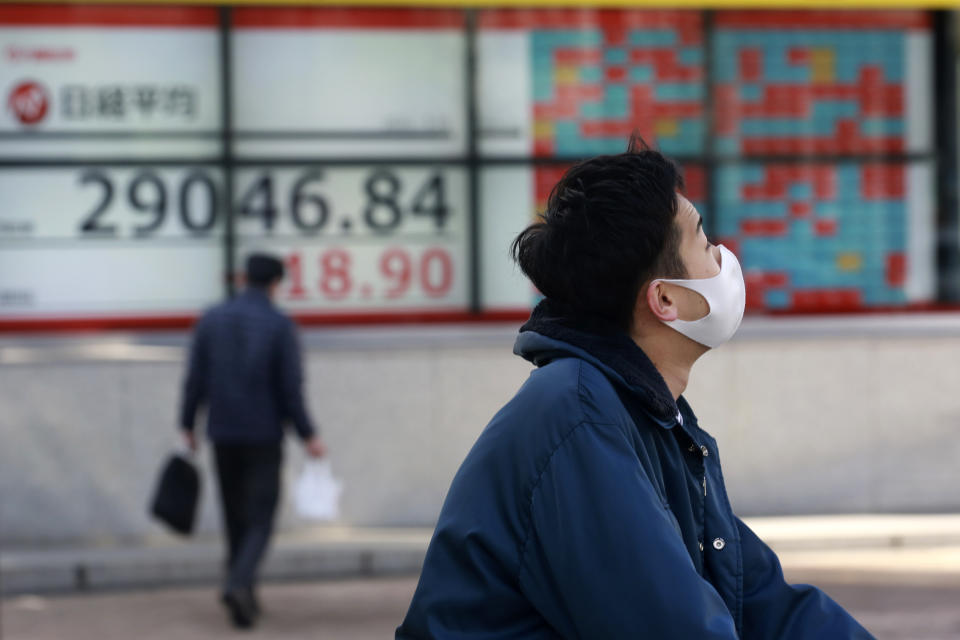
[{"x": 350, "y": 148}]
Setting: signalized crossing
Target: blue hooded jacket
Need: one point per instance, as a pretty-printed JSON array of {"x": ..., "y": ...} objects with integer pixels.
[{"x": 593, "y": 506}]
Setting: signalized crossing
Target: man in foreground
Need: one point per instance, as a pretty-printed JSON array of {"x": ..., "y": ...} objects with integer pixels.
[
  {"x": 592, "y": 505},
  {"x": 245, "y": 366}
]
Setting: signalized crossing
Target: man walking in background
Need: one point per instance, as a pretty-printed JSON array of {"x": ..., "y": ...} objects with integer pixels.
[{"x": 245, "y": 367}]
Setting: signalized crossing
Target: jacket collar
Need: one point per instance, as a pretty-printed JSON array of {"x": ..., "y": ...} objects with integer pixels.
[
  {"x": 257, "y": 296},
  {"x": 554, "y": 332}
]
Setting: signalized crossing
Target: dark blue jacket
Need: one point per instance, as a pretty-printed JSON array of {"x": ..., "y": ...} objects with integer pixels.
[
  {"x": 245, "y": 366},
  {"x": 593, "y": 506}
]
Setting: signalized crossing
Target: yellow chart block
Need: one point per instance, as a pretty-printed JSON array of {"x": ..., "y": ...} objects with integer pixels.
[
  {"x": 823, "y": 65},
  {"x": 566, "y": 75},
  {"x": 851, "y": 261},
  {"x": 542, "y": 129},
  {"x": 666, "y": 128}
]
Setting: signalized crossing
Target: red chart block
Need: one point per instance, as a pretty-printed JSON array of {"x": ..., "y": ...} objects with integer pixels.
[
  {"x": 567, "y": 110},
  {"x": 545, "y": 179},
  {"x": 763, "y": 227},
  {"x": 896, "y": 272},
  {"x": 798, "y": 56},
  {"x": 695, "y": 183},
  {"x": 578, "y": 56},
  {"x": 616, "y": 74},
  {"x": 825, "y": 227},
  {"x": 543, "y": 147},
  {"x": 824, "y": 182},
  {"x": 756, "y": 290},
  {"x": 751, "y": 65},
  {"x": 677, "y": 110},
  {"x": 800, "y": 209},
  {"x": 615, "y": 36},
  {"x": 882, "y": 181},
  {"x": 665, "y": 65},
  {"x": 826, "y": 300},
  {"x": 776, "y": 279},
  {"x": 606, "y": 129},
  {"x": 730, "y": 242}
]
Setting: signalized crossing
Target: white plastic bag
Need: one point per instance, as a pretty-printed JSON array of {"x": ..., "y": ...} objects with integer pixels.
[{"x": 317, "y": 493}]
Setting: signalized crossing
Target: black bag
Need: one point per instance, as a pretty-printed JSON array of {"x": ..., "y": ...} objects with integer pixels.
[{"x": 177, "y": 494}]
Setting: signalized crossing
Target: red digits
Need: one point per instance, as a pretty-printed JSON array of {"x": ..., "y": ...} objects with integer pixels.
[
  {"x": 436, "y": 272},
  {"x": 295, "y": 268},
  {"x": 395, "y": 266},
  {"x": 335, "y": 274}
]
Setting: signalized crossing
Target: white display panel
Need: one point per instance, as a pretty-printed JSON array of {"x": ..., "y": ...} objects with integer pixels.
[
  {"x": 920, "y": 285},
  {"x": 360, "y": 240},
  {"x": 349, "y": 83},
  {"x": 508, "y": 207},
  {"x": 109, "y": 241},
  {"x": 504, "y": 92},
  {"x": 109, "y": 82}
]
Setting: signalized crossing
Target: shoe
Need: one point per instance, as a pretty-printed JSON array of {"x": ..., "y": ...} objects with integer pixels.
[{"x": 240, "y": 604}]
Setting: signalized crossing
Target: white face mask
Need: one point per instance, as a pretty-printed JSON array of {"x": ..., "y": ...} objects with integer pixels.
[{"x": 725, "y": 293}]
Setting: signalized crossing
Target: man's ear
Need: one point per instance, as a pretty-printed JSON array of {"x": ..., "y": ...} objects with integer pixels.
[{"x": 661, "y": 301}]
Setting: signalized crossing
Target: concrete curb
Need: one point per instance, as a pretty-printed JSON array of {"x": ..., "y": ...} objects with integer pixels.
[
  {"x": 923, "y": 548},
  {"x": 326, "y": 553}
]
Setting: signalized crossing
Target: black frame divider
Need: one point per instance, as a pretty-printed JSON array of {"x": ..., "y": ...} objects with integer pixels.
[
  {"x": 226, "y": 106},
  {"x": 473, "y": 164},
  {"x": 948, "y": 169}
]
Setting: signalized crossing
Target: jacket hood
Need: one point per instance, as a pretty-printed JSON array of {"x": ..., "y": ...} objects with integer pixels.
[{"x": 554, "y": 332}]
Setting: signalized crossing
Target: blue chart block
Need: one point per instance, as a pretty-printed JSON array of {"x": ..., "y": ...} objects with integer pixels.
[
  {"x": 615, "y": 56},
  {"x": 800, "y": 275},
  {"x": 542, "y": 89},
  {"x": 611, "y": 145},
  {"x": 728, "y": 145},
  {"x": 567, "y": 133},
  {"x": 762, "y": 209},
  {"x": 642, "y": 73},
  {"x": 618, "y": 95},
  {"x": 592, "y": 111},
  {"x": 777, "y": 299},
  {"x": 678, "y": 92},
  {"x": 801, "y": 191},
  {"x": 770, "y": 127},
  {"x": 882, "y": 127},
  {"x": 571, "y": 38},
  {"x": 693, "y": 128},
  {"x": 750, "y": 92},
  {"x": 753, "y": 173},
  {"x": 801, "y": 232},
  {"x": 725, "y": 65},
  {"x": 690, "y": 56},
  {"x": 591, "y": 75}
]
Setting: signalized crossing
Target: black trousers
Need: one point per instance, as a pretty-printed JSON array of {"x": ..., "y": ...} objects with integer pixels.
[{"x": 249, "y": 478}]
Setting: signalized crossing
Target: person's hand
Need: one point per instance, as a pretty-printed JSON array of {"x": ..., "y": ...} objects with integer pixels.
[
  {"x": 190, "y": 438},
  {"x": 315, "y": 447}
]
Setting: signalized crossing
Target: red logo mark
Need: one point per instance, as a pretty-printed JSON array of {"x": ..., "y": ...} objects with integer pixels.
[{"x": 29, "y": 102}]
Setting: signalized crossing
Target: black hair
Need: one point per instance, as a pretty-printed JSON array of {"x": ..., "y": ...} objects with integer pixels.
[
  {"x": 263, "y": 270},
  {"x": 609, "y": 227}
]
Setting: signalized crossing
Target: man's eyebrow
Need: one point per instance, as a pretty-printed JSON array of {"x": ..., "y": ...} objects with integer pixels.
[{"x": 699, "y": 223}]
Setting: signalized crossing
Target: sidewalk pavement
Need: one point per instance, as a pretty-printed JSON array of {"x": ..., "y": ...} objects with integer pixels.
[{"x": 861, "y": 549}]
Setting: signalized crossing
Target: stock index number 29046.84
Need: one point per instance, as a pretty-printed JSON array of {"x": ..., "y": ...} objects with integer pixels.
[{"x": 149, "y": 202}]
